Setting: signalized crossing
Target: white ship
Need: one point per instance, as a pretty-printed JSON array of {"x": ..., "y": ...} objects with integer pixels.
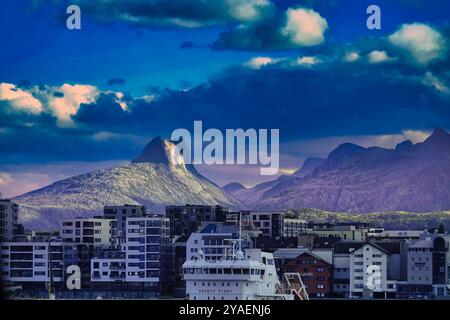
[{"x": 240, "y": 275}]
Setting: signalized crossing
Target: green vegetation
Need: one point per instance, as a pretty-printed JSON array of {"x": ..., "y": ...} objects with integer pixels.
[{"x": 395, "y": 220}]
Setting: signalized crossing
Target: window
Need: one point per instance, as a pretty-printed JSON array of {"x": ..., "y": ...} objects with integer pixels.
[
  {"x": 320, "y": 269},
  {"x": 320, "y": 279}
]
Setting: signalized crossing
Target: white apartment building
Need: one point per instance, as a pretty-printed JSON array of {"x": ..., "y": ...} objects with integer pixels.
[
  {"x": 420, "y": 263},
  {"x": 428, "y": 267},
  {"x": 120, "y": 215},
  {"x": 8, "y": 219},
  {"x": 365, "y": 269},
  {"x": 109, "y": 267},
  {"x": 368, "y": 271},
  {"x": 145, "y": 237},
  {"x": 96, "y": 231},
  {"x": 28, "y": 262},
  {"x": 144, "y": 261}
]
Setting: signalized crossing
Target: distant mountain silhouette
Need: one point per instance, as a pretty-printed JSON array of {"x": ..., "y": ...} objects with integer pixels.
[{"x": 410, "y": 177}]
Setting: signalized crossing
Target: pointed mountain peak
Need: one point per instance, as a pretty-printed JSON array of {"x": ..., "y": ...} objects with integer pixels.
[
  {"x": 155, "y": 151},
  {"x": 439, "y": 133},
  {"x": 405, "y": 145},
  {"x": 438, "y": 137}
]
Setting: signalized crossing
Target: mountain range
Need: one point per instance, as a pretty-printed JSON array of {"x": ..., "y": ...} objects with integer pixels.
[
  {"x": 411, "y": 177},
  {"x": 154, "y": 179},
  {"x": 353, "y": 179}
]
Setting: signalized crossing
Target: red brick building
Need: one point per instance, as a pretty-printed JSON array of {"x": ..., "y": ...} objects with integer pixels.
[{"x": 315, "y": 272}]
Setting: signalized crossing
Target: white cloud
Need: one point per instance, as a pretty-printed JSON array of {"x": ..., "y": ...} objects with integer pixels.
[
  {"x": 63, "y": 102},
  {"x": 421, "y": 41},
  {"x": 352, "y": 56},
  {"x": 434, "y": 82},
  {"x": 378, "y": 56},
  {"x": 306, "y": 61},
  {"x": 258, "y": 62},
  {"x": 19, "y": 99},
  {"x": 63, "y": 108},
  {"x": 247, "y": 10},
  {"x": 416, "y": 136},
  {"x": 304, "y": 27}
]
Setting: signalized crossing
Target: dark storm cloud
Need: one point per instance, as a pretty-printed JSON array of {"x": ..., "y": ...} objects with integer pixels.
[
  {"x": 180, "y": 13},
  {"x": 304, "y": 98},
  {"x": 347, "y": 99}
]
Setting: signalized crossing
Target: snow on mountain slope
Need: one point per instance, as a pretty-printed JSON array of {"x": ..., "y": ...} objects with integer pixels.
[{"x": 155, "y": 179}]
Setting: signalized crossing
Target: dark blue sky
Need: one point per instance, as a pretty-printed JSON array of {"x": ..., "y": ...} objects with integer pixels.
[{"x": 71, "y": 101}]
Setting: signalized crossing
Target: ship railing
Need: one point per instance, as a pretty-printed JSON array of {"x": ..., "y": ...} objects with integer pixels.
[{"x": 292, "y": 284}]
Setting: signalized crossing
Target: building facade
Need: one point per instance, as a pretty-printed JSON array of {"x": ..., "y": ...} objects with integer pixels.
[
  {"x": 428, "y": 267},
  {"x": 294, "y": 227},
  {"x": 96, "y": 231},
  {"x": 149, "y": 253},
  {"x": 185, "y": 220},
  {"x": 316, "y": 274},
  {"x": 120, "y": 214},
  {"x": 29, "y": 262},
  {"x": 8, "y": 219}
]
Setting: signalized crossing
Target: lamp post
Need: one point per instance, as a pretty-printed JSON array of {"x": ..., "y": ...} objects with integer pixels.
[{"x": 51, "y": 292}]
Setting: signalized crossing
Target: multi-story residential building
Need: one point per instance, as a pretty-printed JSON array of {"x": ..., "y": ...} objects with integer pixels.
[
  {"x": 344, "y": 231},
  {"x": 294, "y": 227},
  {"x": 8, "y": 219},
  {"x": 368, "y": 272},
  {"x": 366, "y": 269},
  {"x": 96, "y": 231},
  {"x": 120, "y": 214},
  {"x": 109, "y": 270},
  {"x": 28, "y": 263},
  {"x": 185, "y": 220},
  {"x": 269, "y": 223},
  {"x": 316, "y": 273},
  {"x": 149, "y": 253},
  {"x": 428, "y": 267},
  {"x": 80, "y": 254}
]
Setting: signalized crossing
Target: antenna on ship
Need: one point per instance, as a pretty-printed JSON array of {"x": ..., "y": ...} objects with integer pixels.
[
  {"x": 239, "y": 253},
  {"x": 235, "y": 252}
]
